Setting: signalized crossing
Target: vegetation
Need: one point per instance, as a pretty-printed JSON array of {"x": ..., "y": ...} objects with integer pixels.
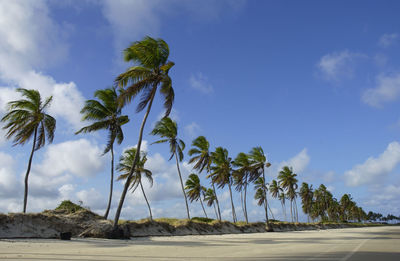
[
  {"x": 26, "y": 119},
  {"x": 69, "y": 207},
  {"x": 148, "y": 74},
  {"x": 106, "y": 115},
  {"x": 167, "y": 129},
  {"x": 124, "y": 166}
]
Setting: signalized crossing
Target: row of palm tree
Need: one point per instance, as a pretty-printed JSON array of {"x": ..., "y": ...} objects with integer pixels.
[{"x": 149, "y": 74}]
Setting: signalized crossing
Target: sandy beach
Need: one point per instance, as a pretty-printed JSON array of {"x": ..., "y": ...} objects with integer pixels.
[{"x": 372, "y": 243}]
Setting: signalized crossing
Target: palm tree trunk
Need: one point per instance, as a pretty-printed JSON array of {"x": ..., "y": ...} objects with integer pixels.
[
  {"x": 241, "y": 201},
  {"x": 145, "y": 198},
  {"x": 202, "y": 206},
  {"x": 111, "y": 183},
  {"x": 265, "y": 201},
  {"x": 216, "y": 200},
  {"x": 183, "y": 189},
  {"x": 245, "y": 204},
  {"x": 233, "y": 207},
  {"x": 28, "y": 171},
  {"x": 283, "y": 210},
  {"x": 297, "y": 211},
  {"x": 270, "y": 211},
  {"x": 291, "y": 209},
  {"x": 216, "y": 213},
  {"x": 135, "y": 160}
]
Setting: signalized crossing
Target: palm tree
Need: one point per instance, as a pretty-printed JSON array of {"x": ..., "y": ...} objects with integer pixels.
[
  {"x": 195, "y": 190},
  {"x": 221, "y": 173},
  {"x": 201, "y": 156},
  {"x": 259, "y": 162},
  {"x": 211, "y": 198},
  {"x": 282, "y": 199},
  {"x": 288, "y": 181},
  {"x": 241, "y": 177},
  {"x": 167, "y": 129},
  {"x": 276, "y": 192},
  {"x": 149, "y": 73},
  {"x": 106, "y": 115},
  {"x": 306, "y": 195},
  {"x": 26, "y": 118},
  {"x": 261, "y": 193},
  {"x": 124, "y": 166}
]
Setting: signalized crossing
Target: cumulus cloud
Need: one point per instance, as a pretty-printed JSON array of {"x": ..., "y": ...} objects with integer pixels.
[
  {"x": 387, "y": 40},
  {"x": 200, "y": 83},
  {"x": 299, "y": 162},
  {"x": 387, "y": 90},
  {"x": 132, "y": 19},
  {"x": 8, "y": 181},
  {"x": 32, "y": 40},
  {"x": 374, "y": 168},
  {"x": 192, "y": 130},
  {"x": 80, "y": 157},
  {"x": 337, "y": 65}
]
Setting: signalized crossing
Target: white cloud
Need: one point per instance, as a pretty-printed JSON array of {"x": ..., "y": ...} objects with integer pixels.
[
  {"x": 299, "y": 162},
  {"x": 387, "y": 90},
  {"x": 78, "y": 157},
  {"x": 31, "y": 39},
  {"x": 8, "y": 181},
  {"x": 131, "y": 20},
  {"x": 93, "y": 198},
  {"x": 387, "y": 40},
  {"x": 374, "y": 168},
  {"x": 200, "y": 83},
  {"x": 192, "y": 130},
  {"x": 337, "y": 65}
]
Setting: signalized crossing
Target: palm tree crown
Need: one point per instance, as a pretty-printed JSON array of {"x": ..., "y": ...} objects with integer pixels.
[{"x": 106, "y": 115}]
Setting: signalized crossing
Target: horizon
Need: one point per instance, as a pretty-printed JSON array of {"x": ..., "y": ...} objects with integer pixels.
[{"x": 316, "y": 86}]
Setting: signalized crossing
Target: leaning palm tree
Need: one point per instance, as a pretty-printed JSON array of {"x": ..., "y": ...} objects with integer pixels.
[
  {"x": 167, "y": 129},
  {"x": 288, "y": 181},
  {"x": 241, "y": 178},
  {"x": 221, "y": 173},
  {"x": 26, "y": 119},
  {"x": 106, "y": 115},
  {"x": 124, "y": 166},
  {"x": 306, "y": 195},
  {"x": 201, "y": 156},
  {"x": 276, "y": 191},
  {"x": 259, "y": 162},
  {"x": 195, "y": 190},
  {"x": 211, "y": 198},
  {"x": 148, "y": 74}
]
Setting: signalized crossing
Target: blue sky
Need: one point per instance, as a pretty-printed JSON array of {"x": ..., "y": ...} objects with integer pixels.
[{"x": 316, "y": 84}]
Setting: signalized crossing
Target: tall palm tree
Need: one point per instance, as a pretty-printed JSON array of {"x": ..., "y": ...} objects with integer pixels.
[
  {"x": 167, "y": 129},
  {"x": 195, "y": 190},
  {"x": 201, "y": 156},
  {"x": 306, "y": 195},
  {"x": 106, "y": 115},
  {"x": 26, "y": 119},
  {"x": 276, "y": 192},
  {"x": 148, "y": 74},
  {"x": 288, "y": 181},
  {"x": 211, "y": 198},
  {"x": 124, "y": 166},
  {"x": 259, "y": 162},
  {"x": 221, "y": 173},
  {"x": 241, "y": 177}
]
